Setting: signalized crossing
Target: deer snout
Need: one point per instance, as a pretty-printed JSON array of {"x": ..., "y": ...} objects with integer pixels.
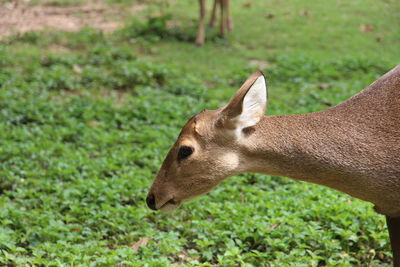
[
  {"x": 151, "y": 202},
  {"x": 161, "y": 205}
]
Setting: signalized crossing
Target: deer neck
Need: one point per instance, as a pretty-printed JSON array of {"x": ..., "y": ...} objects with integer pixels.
[
  {"x": 345, "y": 147},
  {"x": 301, "y": 147}
]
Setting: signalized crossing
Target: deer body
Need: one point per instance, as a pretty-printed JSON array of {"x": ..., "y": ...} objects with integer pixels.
[
  {"x": 363, "y": 163},
  {"x": 353, "y": 147}
]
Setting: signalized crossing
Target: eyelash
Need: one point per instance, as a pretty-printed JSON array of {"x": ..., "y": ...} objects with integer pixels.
[{"x": 184, "y": 152}]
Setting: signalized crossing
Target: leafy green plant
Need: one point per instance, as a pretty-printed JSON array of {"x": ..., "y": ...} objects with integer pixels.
[{"x": 84, "y": 129}]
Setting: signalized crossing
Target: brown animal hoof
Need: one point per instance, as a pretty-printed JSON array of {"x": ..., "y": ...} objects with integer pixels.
[{"x": 199, "y": 42}]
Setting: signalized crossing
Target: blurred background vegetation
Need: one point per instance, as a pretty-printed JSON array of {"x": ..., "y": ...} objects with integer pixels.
[{"x": 93, "y": 93}]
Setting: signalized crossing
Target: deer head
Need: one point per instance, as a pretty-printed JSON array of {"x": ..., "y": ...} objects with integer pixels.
[{"x": 208, "y": 148}]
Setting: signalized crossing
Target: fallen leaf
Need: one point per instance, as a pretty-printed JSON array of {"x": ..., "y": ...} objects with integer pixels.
[
  {"x": 364, "y": 28},
  {"x": 275, "y": 225},
  {"x": 378, "y": 38},
  {"x": 76, "y": 68},
  {"x": 304, "y": 13},
  {"x": 323, "y": 86},
  {"x": 248, "y": 4},
  {"x": 141, "y": 242},
  {"x": 172, "y": 24},
  {"x": 327, "y": 103},
  {"x": 270, "y": 16},
  {"x": 94, "y": 123}
]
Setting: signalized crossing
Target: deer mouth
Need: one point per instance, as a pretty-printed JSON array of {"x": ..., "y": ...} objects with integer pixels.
[{"x": 170, "y": 206}]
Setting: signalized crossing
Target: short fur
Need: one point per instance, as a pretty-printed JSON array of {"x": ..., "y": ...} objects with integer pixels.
[{"x": 353, "y": 147}]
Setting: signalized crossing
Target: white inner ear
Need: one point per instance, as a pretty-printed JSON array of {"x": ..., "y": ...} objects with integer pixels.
[{"x": 254, "y": 104}]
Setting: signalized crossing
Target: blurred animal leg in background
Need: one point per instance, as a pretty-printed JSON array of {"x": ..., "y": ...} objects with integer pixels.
[
  {"x": 222, "y": 29},
  {"x": 226, "y": 19},
  {"x": 201, "y": 30},
  {"x": 214, "y": 13},
  {"x": 228, "y": 16}
]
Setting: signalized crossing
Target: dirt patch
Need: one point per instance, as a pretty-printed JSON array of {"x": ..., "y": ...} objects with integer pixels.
[{"x": 20, "y": 17}]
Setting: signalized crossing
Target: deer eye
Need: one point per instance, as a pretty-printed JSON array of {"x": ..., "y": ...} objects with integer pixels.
[{"x": 184, "y": 152}]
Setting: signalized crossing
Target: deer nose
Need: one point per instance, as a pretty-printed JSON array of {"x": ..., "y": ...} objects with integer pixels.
[{"x": 151, "y": 202}]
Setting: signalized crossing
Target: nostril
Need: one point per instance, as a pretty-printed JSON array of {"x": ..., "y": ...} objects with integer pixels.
[{"x": 151, "y": 202}]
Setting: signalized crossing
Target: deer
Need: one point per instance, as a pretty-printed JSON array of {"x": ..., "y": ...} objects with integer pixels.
[
  {"x": 226, "y": 24},
  {"x": 353, "y": 147}
]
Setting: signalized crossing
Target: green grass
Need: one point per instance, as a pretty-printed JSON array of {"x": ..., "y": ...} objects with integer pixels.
[
  {"x": 329, "y": 31},
  {"x": 86, "y": 120}
]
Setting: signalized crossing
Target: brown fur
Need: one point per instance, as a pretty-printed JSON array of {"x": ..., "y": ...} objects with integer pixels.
[{"x": 353, "y": 147}]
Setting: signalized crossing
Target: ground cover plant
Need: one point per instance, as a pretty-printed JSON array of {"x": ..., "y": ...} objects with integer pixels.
[{"x": 86, "y": 119}]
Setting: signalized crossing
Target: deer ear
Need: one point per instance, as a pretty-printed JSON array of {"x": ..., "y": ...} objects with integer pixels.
[{"x": 248, "y": 105}]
